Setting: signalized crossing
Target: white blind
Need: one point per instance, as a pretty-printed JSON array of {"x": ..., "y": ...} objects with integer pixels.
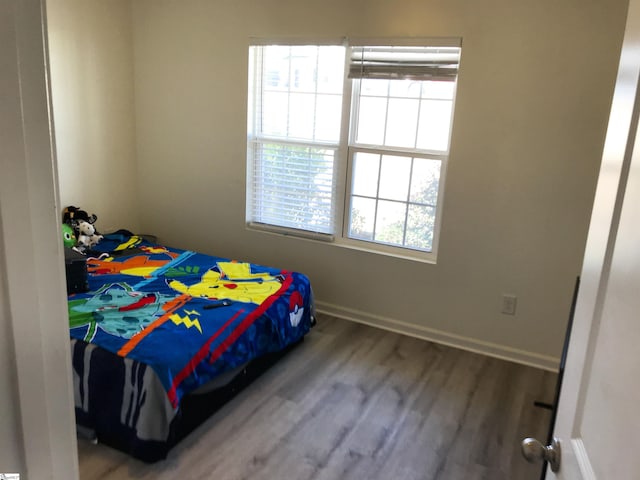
[
  {"x": 404, "y": 62},
  {"x": 292, "y": 186},
  {"x": 294, "y": 126}
]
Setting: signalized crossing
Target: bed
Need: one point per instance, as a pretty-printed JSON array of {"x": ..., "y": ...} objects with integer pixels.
[{"x": 163, "y": 337}]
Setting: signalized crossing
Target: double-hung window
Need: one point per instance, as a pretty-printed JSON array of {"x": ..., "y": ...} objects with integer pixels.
[
  {"x": 295, "y": 106},
  {"x": 350, "y": 143}
]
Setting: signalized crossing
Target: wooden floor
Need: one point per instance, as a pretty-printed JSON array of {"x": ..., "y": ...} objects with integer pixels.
[{"x": 355, "y": 402}]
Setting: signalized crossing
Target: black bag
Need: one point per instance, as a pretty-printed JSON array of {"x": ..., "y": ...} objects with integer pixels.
[{"x": 76, "y": 269}]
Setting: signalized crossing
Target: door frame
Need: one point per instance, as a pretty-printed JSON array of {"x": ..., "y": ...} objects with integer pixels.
[{"x": 32, "y": 265}]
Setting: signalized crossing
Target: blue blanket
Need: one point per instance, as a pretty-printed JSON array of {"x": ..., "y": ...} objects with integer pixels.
[{"x": 188, "y": 316}]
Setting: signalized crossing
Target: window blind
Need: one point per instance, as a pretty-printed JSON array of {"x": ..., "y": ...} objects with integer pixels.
[
  {"x": 294, "y": 128},
  {"x": 292, "y": 186},
  {"x": 404, "y": 62}
]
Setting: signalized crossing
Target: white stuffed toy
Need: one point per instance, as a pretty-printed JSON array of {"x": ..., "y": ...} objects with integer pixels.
[{"x": 87, "y": 236}]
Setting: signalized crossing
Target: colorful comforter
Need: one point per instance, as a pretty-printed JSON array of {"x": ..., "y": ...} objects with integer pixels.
[{"x": 176, "y": 320}]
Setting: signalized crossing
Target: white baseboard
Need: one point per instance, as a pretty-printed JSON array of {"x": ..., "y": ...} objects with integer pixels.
[{"x": 532, "y": 359}]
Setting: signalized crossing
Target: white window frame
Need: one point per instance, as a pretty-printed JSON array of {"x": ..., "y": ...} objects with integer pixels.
[
  {"x": 343, "y": 166},
  {"x": 253, "y": 139}
]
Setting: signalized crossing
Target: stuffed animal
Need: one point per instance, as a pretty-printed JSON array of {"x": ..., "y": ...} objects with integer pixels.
[
  {"x": 87, "y": 236},
  {"x": 68, "y": 236},
  {"x": 72, "y": 215},
  {"x": 83, "y": 226}
]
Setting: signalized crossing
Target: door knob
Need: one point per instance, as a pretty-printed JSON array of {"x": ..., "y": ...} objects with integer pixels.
[{"x": 535, "y": 451}]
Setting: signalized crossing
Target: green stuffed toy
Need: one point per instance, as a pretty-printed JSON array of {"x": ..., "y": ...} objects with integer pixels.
[{"x": 68, "y": 236}]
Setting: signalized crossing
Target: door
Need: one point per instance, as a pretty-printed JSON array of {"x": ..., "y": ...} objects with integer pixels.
[{"x": 598, "y": 417}]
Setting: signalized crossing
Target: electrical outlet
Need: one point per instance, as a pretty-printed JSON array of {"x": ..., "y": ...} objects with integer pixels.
[{"x": 509, "y": 303}]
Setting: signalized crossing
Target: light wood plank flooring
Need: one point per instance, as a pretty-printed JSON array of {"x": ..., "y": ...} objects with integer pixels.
[{"x": 355, "y": 402}]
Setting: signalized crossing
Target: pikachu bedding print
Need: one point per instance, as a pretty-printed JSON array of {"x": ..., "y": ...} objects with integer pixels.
[{"x": 187, "y": 316}]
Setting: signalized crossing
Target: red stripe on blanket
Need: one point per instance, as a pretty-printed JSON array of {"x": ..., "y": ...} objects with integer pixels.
[
  {"x": 233, "y": 336},
  {"x": 146, "y": 300},
  {"x": 195, "y": 360}
]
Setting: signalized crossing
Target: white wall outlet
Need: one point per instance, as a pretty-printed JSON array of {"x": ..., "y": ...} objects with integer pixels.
[{"x": 509, "y": 303}]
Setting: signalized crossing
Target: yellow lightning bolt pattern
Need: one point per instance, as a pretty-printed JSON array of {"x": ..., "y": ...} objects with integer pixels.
[{"x": 186, "y": 321}]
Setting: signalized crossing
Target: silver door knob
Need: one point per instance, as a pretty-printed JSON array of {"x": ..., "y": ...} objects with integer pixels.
[{"x": 535, "y": 451}]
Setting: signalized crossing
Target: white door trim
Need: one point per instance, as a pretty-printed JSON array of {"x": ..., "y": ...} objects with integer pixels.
[{"x": 35, "y": 294}]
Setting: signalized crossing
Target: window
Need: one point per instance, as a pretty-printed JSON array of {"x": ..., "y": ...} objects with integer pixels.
[
  {"x": 294, "y": 134},
  {"x": 354, "y": 155}
]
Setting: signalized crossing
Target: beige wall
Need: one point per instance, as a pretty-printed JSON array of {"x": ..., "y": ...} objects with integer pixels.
[
  {"x": 534, "y": 91},
  {"x": 92, "y": 92},
  {"x": 535, "y": 86}
]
